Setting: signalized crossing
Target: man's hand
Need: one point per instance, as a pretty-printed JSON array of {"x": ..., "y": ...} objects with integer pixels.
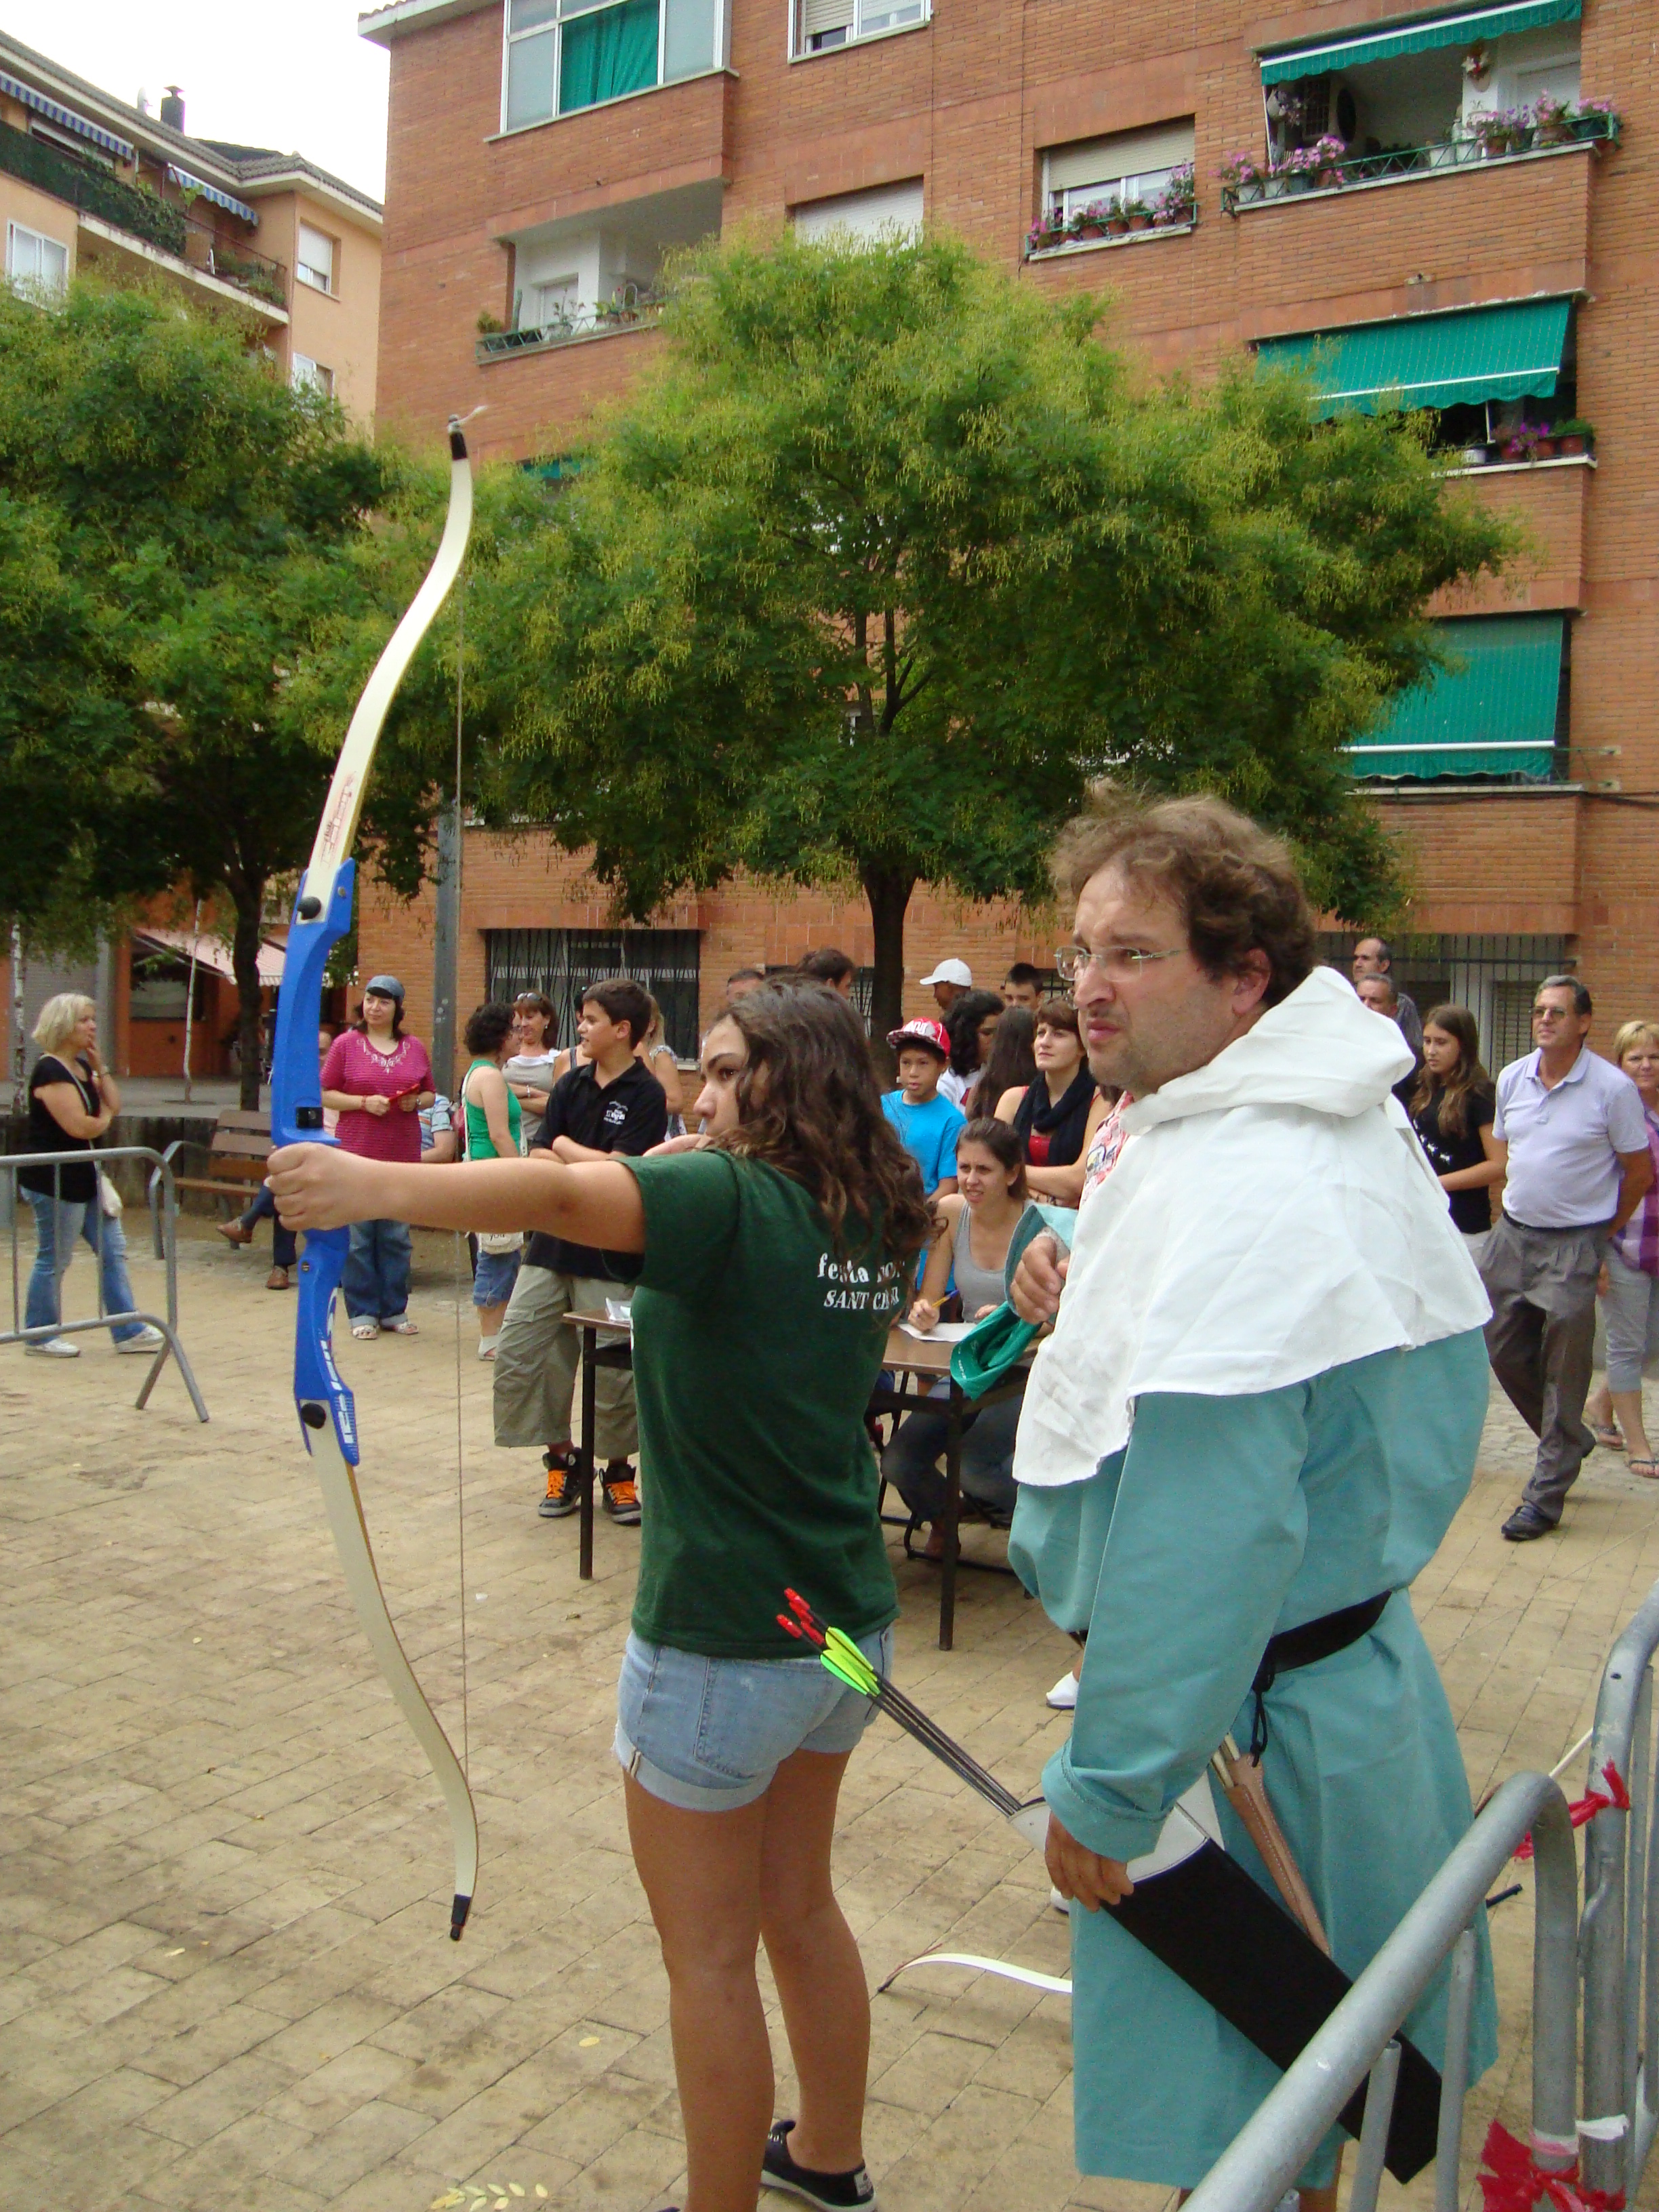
[
  {"x": 1039, "y": 1279},
  {"x": 1084, "y": 1877},
  {"x": 320, "y": 1186}
]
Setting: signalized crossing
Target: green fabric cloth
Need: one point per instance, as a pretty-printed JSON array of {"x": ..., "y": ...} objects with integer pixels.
[
  {"x": 998, "y": 1344},
  {"x": 480, "y": 1145},
  {"x": 1462, "y": 29},
  {"x": 1222, "y": 1521},
  {"x": 1493, "y": 715},
  {"x": 1510, "y": 352},
  {"x": 756, "y": 1350},
  {"x": 606, "y": 53}
]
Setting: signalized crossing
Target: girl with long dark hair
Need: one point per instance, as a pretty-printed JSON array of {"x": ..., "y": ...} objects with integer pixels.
[
  {"x": 1057, "y": 1111},
  {"x": 971, "y": 1026},
  {"x": 773, "y": 1254},
  {"x": 1451, "y": 1111}
]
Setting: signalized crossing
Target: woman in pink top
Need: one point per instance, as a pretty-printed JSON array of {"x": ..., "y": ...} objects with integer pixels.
[{"x": 377, "y": 1079}]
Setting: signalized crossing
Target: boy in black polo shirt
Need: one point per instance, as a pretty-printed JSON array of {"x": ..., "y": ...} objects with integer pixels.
[{"x": 609, "y": 1102}]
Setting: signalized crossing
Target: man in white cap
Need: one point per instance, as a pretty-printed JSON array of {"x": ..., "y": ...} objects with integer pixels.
[{"x": 948, "y": 981}]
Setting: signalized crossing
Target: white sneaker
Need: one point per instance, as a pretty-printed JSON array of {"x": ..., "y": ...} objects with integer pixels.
[
  {"x": 1063, "y": 1696},
  {"x": 54, "y": 1347},
  {"x": 148, "y": 1340}
]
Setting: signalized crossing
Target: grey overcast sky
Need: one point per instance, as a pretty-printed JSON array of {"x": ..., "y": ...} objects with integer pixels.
[{"x": 291, "y": 74}]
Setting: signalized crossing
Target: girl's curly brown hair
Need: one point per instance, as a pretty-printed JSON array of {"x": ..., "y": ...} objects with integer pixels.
[{"x": 808, "y": 1105}]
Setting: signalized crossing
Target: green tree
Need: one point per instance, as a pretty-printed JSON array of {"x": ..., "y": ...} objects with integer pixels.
[
  {"x": 212, "y": 560},
  {"x": 892, "y": 555}
]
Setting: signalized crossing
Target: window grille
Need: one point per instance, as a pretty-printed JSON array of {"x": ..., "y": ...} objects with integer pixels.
[{"x": 562, "y": 964}]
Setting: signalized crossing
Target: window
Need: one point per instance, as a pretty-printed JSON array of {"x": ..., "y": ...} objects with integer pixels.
[
  {"x": 562, "y": 962},
  {"x": 822, "y": 24},
  {"x": 1130, "y": 165},
  {"x": 315, "y": 265},
  {"x": 892, "y": 211},
  {"x": 550, "y": 302},
  {"x": 308, "y": 375},
  {"x": 566, "y": 55},
  {"x": 34, "y": 264}
]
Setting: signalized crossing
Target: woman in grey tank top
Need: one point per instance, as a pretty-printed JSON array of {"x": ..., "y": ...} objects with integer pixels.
[{"x": 969, "y": 1249}]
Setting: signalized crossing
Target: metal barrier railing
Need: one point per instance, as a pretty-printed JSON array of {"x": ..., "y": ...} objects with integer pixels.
[
  {"x": 1621, "y": 1928},
  {"x": 1357, "y": 2040},
  {"x": 164, "y": 1214}
]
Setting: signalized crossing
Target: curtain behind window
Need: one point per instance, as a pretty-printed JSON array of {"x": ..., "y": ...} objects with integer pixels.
[{"x": 612, "y": 51}]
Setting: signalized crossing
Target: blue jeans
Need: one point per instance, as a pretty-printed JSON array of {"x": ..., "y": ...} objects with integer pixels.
[
  {"x": 376, "y": 1278},
  {"x": 58, "y": 1223},
  {"x": 284, "y": 1242},
  {"x": 709, "y": 1735}
]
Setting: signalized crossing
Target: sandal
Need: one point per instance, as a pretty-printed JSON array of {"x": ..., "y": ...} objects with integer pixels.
[
  {"x": 365, "y": 1330},
  {"x": 1647, "y": 1468},
  {"x": 400, "y": 1325},
  {"x": 1609, "y": 1438}
]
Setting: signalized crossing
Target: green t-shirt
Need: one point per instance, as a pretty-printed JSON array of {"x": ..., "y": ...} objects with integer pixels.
[{"x": 755, "y": 1353}]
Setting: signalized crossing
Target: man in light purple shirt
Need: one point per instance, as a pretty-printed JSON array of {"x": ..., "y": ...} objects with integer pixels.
[{"x": 1570, "y": 1130}]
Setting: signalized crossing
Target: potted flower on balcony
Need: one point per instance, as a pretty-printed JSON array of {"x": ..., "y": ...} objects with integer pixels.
[
  {"x": 1325, "y": 157},
  {"x": 1500, "y": 131},
  {"x": 1117, "y": 222},
  {"x": 1552, "y": 121},
  {"x": 1139, "y": 214},
  {"x": 1047, "y": 231},
  {"x": 1091, "y": 222},
  {"x": 1241, "y": 177},
  {"x": 1597, "y": 118},
  {"x": 1575, "y": 436},
  {"x": 1177, "y": 204},
  {"x": 1530, "y": 441}
]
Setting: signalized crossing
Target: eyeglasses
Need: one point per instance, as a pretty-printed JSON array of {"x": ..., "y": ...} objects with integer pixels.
[{"x": 1119, "y": 963}]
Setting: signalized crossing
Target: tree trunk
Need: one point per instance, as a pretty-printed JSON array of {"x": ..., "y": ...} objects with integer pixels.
[
  {"x": 889, "y": 891},
  {"x": 244, "y": 960}
]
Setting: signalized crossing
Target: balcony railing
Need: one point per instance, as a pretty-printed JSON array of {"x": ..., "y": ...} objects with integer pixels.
[
  {"x": 143, "y": 215},
  {"x": 1244, "y": 186},
  {"x": 631, "y": 312}
]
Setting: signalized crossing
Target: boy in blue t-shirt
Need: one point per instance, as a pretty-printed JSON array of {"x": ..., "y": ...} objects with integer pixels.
[{"x": 929, "y": 1124}]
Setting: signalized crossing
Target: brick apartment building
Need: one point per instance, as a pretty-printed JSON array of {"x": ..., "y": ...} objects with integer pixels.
[
  {"x": 92, "y": 184},
  {"x": 1381, "y": 211}
]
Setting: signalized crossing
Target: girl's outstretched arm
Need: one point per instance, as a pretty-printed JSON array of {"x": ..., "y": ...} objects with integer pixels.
[{"x": 321, "y": 1187}]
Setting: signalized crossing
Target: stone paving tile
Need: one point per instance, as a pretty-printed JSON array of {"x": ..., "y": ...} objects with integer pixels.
[{"x": 224, "y": 1976}]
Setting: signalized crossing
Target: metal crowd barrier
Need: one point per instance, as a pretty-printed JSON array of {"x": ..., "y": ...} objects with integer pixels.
[
  {"x": 1621, "y": 1928},
  {"x": 164, "y": 1214},
  {"x": 1263, "y": 2160}
]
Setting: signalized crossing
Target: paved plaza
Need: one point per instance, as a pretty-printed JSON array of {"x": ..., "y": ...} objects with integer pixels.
[{"x": 225, "y": 1976}]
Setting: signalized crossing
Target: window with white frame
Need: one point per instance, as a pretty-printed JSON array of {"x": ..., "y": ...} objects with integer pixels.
[
  {"x": 565, "y": 55},
  {"x": 307, "y": 375},
  {"x": 553, "y": 301},
  {"x": 315, "y": 264},
  {"x": 823, "y": 24},
  {"x": 891, "y": 211},
  {"x": 1129, "y": 167},
  {"x": 33, "y": 262}
]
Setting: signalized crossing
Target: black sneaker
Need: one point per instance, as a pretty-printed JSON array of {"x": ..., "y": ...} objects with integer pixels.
[
  {"x": 830, "y": 2192},
  {"x": 619, "y": 1494},
  {"x": 563, "y": 1494}
]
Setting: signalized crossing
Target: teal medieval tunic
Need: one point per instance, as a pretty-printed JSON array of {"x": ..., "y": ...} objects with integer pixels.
[{"x": 1223, "y": 1520}]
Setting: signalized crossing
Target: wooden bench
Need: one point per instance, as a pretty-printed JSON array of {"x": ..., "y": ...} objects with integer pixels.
[{"x": 237, "y": 1151}]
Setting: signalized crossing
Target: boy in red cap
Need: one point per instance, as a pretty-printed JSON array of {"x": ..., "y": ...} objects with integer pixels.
[{"x": 929, "y": 1124}]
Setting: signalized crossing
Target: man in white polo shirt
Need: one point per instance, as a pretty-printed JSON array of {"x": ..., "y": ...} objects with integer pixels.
[{"x": 1571, "y": 1128}]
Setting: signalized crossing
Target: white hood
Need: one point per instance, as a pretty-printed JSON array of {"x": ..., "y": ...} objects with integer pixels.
[{"x": 1273, "y": 1217}]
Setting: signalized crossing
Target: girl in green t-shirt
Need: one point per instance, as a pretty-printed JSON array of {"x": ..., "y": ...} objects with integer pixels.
[
  {"x": 773, "y": 1252},
  {"x": 492, "y": 1133}
]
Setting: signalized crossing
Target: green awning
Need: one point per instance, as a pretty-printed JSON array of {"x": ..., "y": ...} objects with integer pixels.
[
  {"x": 1417, "y": 37},
  {"x": 1491, "y": 713},
  {"x": 1510, "y": 352}
]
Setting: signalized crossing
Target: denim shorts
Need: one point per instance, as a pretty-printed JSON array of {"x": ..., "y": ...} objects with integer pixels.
[
  {"x": 709, "y": 1735},
  {"x": 494, "y": 1276}
]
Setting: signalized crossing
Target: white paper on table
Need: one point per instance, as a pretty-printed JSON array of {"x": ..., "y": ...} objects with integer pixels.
[
  {"x": 620, "y": 1312},
  {"x": 944, "y": 1332}
]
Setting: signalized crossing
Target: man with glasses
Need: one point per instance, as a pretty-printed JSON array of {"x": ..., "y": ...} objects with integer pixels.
[
  {"x": 1257, "y": 1413},
  {"x": 1572, "y": 1132}
]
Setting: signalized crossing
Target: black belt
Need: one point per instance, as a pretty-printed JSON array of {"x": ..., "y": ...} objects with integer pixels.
[{"x": 1302, "y": 1647}]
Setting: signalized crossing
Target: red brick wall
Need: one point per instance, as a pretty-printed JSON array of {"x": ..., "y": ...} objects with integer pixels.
[{"x": 968, "y": 103}]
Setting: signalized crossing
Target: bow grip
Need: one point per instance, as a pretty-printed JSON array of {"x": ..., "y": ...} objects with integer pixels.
[{"x": 296, "y": 1117}]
